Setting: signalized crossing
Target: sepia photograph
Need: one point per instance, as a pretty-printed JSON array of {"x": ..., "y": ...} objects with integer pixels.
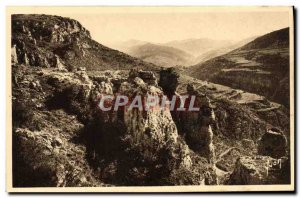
[{"x": 150, "y": 99}]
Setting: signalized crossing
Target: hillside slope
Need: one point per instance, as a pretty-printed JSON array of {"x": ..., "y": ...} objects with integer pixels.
[
  {"x": 261, "y": 66},
  {"x": 53, "y": 41},
  {"x": 161, "y": 55},
  {"x": 221, "y": 51},
  {"x": 125, "y": 46}
]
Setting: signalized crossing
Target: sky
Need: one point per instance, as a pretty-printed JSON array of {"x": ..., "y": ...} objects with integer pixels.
[{"x": 160, "y": 27}]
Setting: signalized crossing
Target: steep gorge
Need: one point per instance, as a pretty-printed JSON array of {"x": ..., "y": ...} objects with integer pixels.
[{"x": 61, "y": 138}]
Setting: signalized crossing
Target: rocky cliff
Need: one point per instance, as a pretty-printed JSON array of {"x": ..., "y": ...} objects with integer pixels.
[
  {"x": 55, "y": 118},
  {"x": 240, "y": 128},
  {"x": 53, "y": 41}
]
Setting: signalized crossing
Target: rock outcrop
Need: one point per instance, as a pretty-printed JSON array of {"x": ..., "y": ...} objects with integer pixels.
[
  {"x": 47, "y": 159},
  {"x": 166, "y": 150},
  {"x": 153, "y": 130},
  {"x": 241, "y": 119},
  {"x": 32, "y": 32},
  {"x": 195, "y": 126},
  {"x": 151, "y": 136},
  {"x": 53, "y": 41},
  {"x": 168, "y": 81},
  {"x": 259, "y": 170},
  {"x": 147, "y": 76},
  {"x": 273, "y": 143},
  {"x": 124, "y": 147}
]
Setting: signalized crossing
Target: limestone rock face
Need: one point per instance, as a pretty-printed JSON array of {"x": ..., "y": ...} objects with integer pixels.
[
  {"x": 121, "y": 147},
  {"x": 31, "y": 34},
  {"x": 53, "y": 41},
  {"x": 273, "y": 143},
  {"x": 151, "y": 135},
  {"x": 58, "y": 29},
  {"x": 47, "y": 157},
  {"x": 197, "y": 125},
  {"x": 64, "y": 81},
  {"x": 249, "y": 171},
  {"x": 154, "y": 129},
  {"x": 194, "y": 125},
  {"x": 259, "y": 170},
  {"x": 69, "y": 90},
  {"x": 147, "y": 76},
  {"x": 14, "y": 57}
]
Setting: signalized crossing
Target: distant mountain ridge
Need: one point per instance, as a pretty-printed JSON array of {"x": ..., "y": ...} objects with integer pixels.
[
  {"x": 161, "y": 55},
  {"x": 178, "y": 52},
  {"x": 199, "y": 46}
]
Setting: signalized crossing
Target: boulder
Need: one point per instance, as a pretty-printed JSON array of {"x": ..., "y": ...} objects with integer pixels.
[
  {"x": 273, "y": 143},
  {"x": 147, "y": 76}
]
